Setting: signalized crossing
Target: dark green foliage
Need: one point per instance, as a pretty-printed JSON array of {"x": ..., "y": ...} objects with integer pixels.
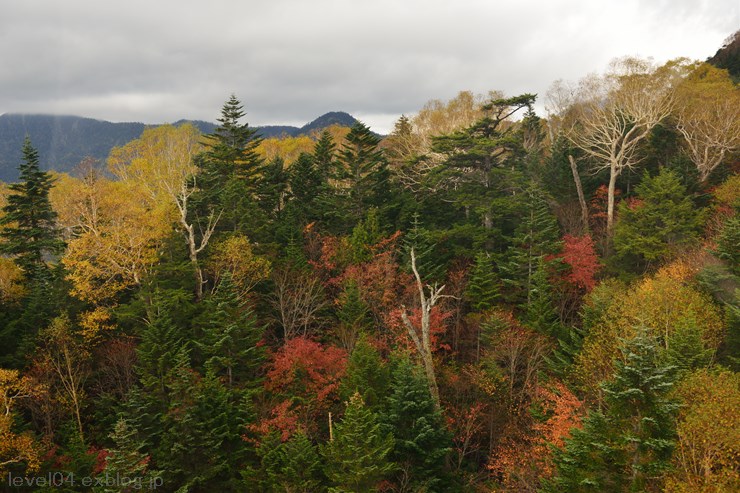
[
  {"x": 540, "y": 314},
  {"x": 728, "y": 242},
  {"x": 367, "y": 374},
  {"x": 324, "y": 156},
  {"x": 306, "y": 182},
  {"x": 685, "y": 349},
  {"x": 358, "y": 457},
  {"x": 29, "y": 231},
  {"x": 354, "y": 316},
  {"x": 484, "y": 287},
  {"x": 536, "y": 237},
  {"x": 228, "y": 174},
  {"x": 421, "y": 240},
  {"x": 479, "y": 160},
  {"x": 363, "y": 174},
  {"x": 163, "y": 347},
  {"x": 272, "y": 189},
  {"x": 201, "y": 449},
  {"x": 294, "y": 465},
  {"x": 422, "y": 440},
  {"x": 126, "y": 467},
  {"x": 364, "y": 235},
  {"x": 661, "y": 222},
  {"x": 627, "y": 446},
  {"x": 228, "y": 336}
]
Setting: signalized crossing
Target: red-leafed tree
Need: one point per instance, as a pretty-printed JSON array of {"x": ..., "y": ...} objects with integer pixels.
[
  {"x": 580, "y": 264},
  {"x": 304, "y": 379},
  {"x": 524, "y": 456}
]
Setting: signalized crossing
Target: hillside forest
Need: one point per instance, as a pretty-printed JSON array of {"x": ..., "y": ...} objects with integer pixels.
[{"x": 485, "y": 300}]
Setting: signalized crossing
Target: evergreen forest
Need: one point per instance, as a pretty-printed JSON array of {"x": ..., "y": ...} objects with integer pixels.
[{"x": 484, "y": 300}]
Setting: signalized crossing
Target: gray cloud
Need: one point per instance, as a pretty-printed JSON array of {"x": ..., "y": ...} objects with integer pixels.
[{"x": 290, "y": 61}]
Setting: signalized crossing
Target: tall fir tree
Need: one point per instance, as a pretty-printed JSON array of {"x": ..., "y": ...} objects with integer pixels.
[
  {"x": 536, "y": 237},
  {"x": 368, "y": 375},
  {"x": 126, "y": 466},
  {"x": 626, "y": 447},
  {"x": 228, "y": 173},
  {"x": 357, "y": 458},
  {"x": 660, "y": 222},
  {"x": 422, "y": 441},
  {"x": 362, "y": 176},
  {"x": 484, "y": 287},
  {"x": 228, "y": 336},
  {"x": 29, "y": 230}
]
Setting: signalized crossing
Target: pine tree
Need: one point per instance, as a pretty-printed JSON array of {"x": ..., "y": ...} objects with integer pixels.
[
  {"x": 353, "y": 314},
  {"x": 662, "y": 220},
  {"x": 540, "y": 314},
  {"x": 479, "y": 158},
  {"x": 357, "y": 459},
  {"x": 483, "y": 289},
  {"x": 228, "y": 173},
  {"x": 324, "y": 156},
  {"x": 536, "y": 237},
  {"x": 419, "y": 239},
  {"x": 126, "y": 467},
  {"x": 305, "y": 185},
  {"x": 29, "y": 231},
  {"x": 626, "y": 447},
  {"x": 229, "y": 336},
  {"x": 367, "y": 375},
  {"x": 201, "y": 448},
  {"x": 163, "y": 346},
  {"x": 272, "y": 188},
  {"x": 422, "y": 440},
  {"x": 364, "y": 235},
  {"x": 363, "y": 174},
  {"x": 294, "y": 465}
]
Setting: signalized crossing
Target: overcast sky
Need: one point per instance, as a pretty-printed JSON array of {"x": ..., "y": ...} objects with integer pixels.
[{"x": 289, "y": 61}]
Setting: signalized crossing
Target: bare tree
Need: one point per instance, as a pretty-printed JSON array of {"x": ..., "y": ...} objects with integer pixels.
[
  {"x": 298, "y": 298},
  {"x": 421, "y": 336},
  {"x": 708, "y": 117},
  {"x": 615, "y": 113}
]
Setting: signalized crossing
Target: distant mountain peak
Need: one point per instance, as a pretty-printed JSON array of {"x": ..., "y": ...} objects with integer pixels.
[{"x": 63, "y": 141}]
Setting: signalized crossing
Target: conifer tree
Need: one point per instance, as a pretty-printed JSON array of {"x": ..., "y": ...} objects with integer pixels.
[
  {"x": 476, "y": 158},
  {"x": 229, "y": 336},
  {"x": 228, "y": 172},
  {"x": 272, "y": 188},
  {"x": 324, "y": 156},
  {"x": 367, "y": 375},
  {"x": 422, "y": 441},
  {"x": 626, "y": 447},
  {"x": 662, "y": 220},
  {"x": 126, "y": 467},
  {"x": 29, "y": 224},
  {"x": 419, "y": 239},
  {"x": 201, "y": 448},
  {"x": 294, "y": 466},
  {"x": 540, "y": 314},
  {"x": 363, "y": 174},
  {"x": 483, "y": 288},
  {"x": 536, "y": 237},
  {"x": 354, "y": 316},
  {"x": 305, "y": 184},
  {"x": 357, "y": 459}
]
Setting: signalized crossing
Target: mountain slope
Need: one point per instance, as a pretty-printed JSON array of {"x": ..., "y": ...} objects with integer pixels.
[{"x": 64, "y": 141}]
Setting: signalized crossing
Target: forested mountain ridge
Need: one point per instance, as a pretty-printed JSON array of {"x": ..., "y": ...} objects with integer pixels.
[
  {"x": 64, "y": 141},
  {"x": 486, "y": 300}
]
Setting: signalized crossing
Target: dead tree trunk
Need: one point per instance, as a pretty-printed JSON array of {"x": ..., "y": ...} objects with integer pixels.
[{"x": 421, "y": 336}]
